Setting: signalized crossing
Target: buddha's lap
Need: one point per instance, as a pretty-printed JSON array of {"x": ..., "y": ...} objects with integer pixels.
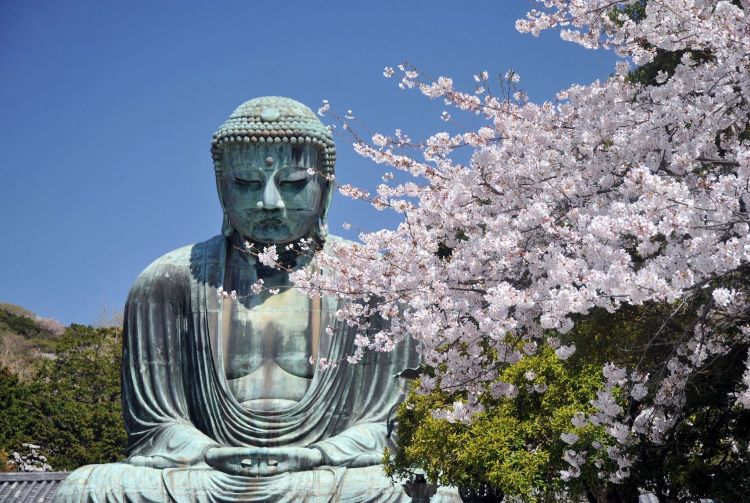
[{"x": 122, "y": 482}]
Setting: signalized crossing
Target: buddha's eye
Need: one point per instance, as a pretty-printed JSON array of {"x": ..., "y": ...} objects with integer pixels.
[
  {"x": 293, "y": 184},
  {"x": 248, "y": 184},
  {"x": 294, "y": 180}
]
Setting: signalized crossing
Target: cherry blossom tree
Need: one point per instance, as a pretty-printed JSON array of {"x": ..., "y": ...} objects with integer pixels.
[{"x": 624, "y": 193}]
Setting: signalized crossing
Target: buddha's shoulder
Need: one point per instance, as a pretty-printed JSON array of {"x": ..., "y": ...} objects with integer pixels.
[
  {"x": 333, "y": 241},
  {"x": 177, "y": 266}
]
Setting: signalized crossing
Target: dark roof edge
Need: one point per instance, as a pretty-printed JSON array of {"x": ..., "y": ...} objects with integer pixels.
[{"x": 30, "y": 476}]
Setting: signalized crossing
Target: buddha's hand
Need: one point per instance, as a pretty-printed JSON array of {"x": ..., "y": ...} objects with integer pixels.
[
  {"x": 163, "y": 461},
  {"x": 263, "y": 461}
]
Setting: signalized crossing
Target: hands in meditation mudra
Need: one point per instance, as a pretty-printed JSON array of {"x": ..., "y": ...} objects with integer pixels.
[{"x": 222, "y": 398}]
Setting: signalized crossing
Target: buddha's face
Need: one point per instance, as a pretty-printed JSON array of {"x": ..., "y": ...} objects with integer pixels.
[{"x": 269, "y": 192}]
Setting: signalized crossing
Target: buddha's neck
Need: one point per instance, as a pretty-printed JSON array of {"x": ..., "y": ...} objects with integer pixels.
[{"x": 290, "y": 258}]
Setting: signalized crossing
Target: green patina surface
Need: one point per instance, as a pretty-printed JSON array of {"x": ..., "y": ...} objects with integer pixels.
[{"x": 221, "y": 400}]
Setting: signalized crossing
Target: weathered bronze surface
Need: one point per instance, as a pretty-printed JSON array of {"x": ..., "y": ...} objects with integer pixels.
[{"x": 221, "y": 400}]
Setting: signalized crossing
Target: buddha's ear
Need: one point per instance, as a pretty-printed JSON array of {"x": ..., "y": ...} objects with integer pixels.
[
  {"x": 319, "y": 232},
  {"x": 328, "y": 187},
  {"x": 226, "y": 226}
]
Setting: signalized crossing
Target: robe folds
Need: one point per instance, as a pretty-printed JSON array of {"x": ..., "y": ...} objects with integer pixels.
[{"x": 177, "y": 403}]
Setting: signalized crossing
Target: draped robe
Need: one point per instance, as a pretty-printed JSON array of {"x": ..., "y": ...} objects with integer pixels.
[{"x": 177, "y": 403}]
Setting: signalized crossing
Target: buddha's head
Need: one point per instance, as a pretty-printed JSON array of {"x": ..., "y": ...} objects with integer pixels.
[{"x": 273, "y": 159}]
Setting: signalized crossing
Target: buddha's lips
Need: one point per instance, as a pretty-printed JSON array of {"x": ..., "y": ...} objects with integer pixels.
[{"x": 272, "y": 221}]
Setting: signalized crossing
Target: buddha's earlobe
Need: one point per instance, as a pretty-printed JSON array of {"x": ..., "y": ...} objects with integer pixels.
[
  {"x": 322, "y": 229},
  {"x": 226, "y": 226},
  {"x": 319, "y": 232}
]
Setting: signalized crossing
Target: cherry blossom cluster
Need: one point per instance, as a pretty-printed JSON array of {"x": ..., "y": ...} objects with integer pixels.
[
  {"x": 617, "y": 192},
  {"x": 31, "y": 460},
  {"x": 50, "y": 324}
]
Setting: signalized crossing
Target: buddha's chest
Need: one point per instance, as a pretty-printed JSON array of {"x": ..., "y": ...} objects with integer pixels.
[{"x": 273, "y": 333}]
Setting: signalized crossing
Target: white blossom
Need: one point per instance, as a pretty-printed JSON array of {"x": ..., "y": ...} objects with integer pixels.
[
  {"x": 565, "y": 352},
  {"x": 722, "y": 296},
  {"x": 269, "y": 256},
  {"x": 569, "y": 438}
]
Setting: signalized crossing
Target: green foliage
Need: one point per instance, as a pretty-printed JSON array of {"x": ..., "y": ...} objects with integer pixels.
[
  {"x": 639, "y": 337},
  {"x": 704, "y": 460},
  {"x": 21, "y": 324},
  {"x": 24, "y": 339},
  {"x": 84, "y": 403},
  {"x": 635, "y": 11},
  {"x": 73, "y": 406},
  {"x": 705, "y": 455},
  {"x": 515, "y": 445},
  {"x": 16, "y": 418},
  {"x": 16, "y": 309},
  {"x": 666, "y": 62}
]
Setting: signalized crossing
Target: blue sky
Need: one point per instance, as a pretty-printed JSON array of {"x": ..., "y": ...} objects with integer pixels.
[{"x": 107, "y": 110}]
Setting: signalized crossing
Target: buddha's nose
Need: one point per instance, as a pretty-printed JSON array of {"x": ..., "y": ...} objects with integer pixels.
[{"x": 271, "y": 197}]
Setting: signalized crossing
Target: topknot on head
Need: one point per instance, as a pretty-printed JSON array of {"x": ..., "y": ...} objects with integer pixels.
[{"x": 274, "y": 120}]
